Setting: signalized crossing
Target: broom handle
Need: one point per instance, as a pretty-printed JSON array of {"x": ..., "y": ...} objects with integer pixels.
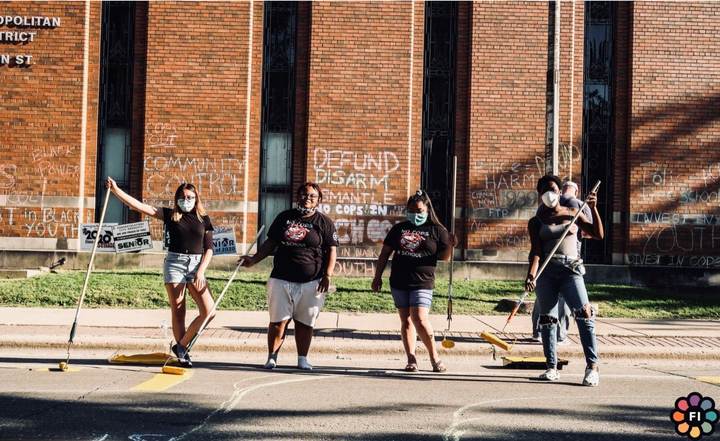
[
  {"x": 452, "y": 231},
  {"x": 92, "y": 258},
  {"x": 549, "y": 256},
  {"x": 222, "y": 294},
  {"x": 452, "y": 212}
]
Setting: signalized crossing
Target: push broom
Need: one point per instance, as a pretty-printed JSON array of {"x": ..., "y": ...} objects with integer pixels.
[
  {"x": 493, "y": 339},
  {"x": 181, "y": 371},
  {"x": 64, "y": 364},
  {"x": 449, "y": 343}
]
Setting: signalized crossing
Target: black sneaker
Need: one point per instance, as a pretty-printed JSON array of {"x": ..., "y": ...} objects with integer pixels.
[{"x": 182, "y": 356}]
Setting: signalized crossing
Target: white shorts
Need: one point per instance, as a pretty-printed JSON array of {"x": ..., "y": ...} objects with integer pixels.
[{"x": 299, "y": 301}]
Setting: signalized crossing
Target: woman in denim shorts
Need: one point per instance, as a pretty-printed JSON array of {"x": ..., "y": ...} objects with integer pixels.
[
  {"x": 562, "y": 275},
  {"x": 189, "y": 255},
  {"x": 417, "y": 243}
]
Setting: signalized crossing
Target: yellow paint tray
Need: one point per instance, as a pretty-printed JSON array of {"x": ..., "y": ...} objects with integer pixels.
[{"x": 156, "y": 358}]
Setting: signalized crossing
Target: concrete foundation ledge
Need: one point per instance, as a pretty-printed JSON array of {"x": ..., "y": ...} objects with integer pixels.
[{"x": 363, "y": 267}]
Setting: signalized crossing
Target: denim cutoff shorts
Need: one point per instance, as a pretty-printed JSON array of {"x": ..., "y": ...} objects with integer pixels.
[
  {"x": 415, "y": 297},
  {"x": 181, "y": 268}
]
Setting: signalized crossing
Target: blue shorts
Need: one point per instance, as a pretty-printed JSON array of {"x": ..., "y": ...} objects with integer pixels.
[
  {"x": 180, "y": 268},
  {"x": 417, "y": 297}
]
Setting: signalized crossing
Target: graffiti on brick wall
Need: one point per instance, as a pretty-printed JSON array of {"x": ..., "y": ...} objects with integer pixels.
[
  {"x": 356, "y": 178},
  {"x": 359, "y": 231},
  {"x": 7, "y": 175},
  {"x": 662, "y": 184},
  {"x": 682, "y": 232},
  {"x": 354, "y": 268},
  {"x": 165, "y": 172},
  {"x": 678, "y": 233},
  {"x": 48, "y": 162},
  {"x": 44, "y": 222},
  {"x": 161, "y": 135},
  {"x": 501, "y": 236}
]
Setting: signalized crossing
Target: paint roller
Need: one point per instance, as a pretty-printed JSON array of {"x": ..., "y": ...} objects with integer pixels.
[
  {"x": 445, "y": 342},
  {"x": 182, "y": 371},
  {"x": 65, "y": 364},
  {"x": 493, "y": 339}
]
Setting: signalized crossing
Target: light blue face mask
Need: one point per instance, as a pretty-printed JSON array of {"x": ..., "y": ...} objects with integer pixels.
[
  {"x": 417, "y": 218},
  {"x": 185, "y": 205}
]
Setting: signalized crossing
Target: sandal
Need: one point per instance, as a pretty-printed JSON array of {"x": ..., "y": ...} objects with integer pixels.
[
  {"x": 412, "y": 365},
  {"x": 439, "y": 366}
]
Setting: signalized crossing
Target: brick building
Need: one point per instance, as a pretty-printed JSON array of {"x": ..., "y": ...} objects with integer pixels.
[{"x": 371, "y": 100}]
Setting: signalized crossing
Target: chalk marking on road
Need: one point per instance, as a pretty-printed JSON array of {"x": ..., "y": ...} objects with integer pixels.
[
  {"x": 161, "y": 382},
  {"x": 141, "y": 436},
  {"x": 238, "y": 395},
  {"x": 711, "y": 380},
  {"x": 454, "y": 434},
  {"x": 104, "y": 437}
]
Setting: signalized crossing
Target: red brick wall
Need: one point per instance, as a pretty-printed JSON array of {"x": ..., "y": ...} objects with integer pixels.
[
  {"x": 196, "y": 105},
  {"x": 41, "y": 124},
  {"x": 508, "y": 121},
  {"x": 364, "y": 112},
  {"x": 359, "y": 119},
  {"x": 674, "y": 158}
]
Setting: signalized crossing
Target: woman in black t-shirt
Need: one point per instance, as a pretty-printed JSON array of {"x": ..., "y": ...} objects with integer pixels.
[
  {"x": 306, "y": 243},
  {"x": 189, "y": 254},
  {"x": 417, "y": 243}
]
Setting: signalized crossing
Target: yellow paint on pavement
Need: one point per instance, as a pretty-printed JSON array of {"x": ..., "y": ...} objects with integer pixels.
[
  {"x": 161, "y": 382},
  {"x": 712, "y": 380}
]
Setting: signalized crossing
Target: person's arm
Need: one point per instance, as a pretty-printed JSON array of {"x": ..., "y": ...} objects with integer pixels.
[
  {"x": 329, "y": 268},
  {"x": 535, "y": 253},
  {"x": 447, "y": 252},
  {"x": 133, "y": 203},
  {"x": 200, "y": 279},
  {"x": 592, "y": 229},
  {"x": 380, "y": 267},
  {"x": 265, "y": 249}
]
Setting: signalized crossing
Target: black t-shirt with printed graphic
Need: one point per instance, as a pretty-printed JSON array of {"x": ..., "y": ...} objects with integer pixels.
[
  {"x": 187, "y": 236},
  {"x": 416, "y": 253},
  {"x": 302, "y": 242}
]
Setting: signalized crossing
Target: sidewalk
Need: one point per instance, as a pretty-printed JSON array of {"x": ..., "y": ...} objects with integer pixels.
[{"x": 135, "y": 331}]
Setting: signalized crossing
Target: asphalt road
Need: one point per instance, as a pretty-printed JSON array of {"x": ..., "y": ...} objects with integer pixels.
[{"x": 364, "y": 397}]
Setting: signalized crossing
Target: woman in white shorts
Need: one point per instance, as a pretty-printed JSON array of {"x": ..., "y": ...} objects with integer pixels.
[
  {"x": 188, "y": 257},
  {"x": 306, "y": 243}
]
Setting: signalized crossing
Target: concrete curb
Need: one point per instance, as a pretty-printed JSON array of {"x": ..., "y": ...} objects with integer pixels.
[{"x": 128, "y": 346}]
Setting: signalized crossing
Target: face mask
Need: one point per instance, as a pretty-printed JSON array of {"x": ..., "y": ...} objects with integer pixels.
[
  {"x": 417, "y": 218},
  {"x": 185, "y": 205},
  {"x": 304, "y": 211},
  {"x": 550, "y": 199}
]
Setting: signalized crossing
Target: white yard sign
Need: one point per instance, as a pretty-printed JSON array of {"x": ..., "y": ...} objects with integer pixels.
[
  {"x": 224, "y": 241},
  {"x": 132, "y": 237},
  {"x": 88, "y": 233}
]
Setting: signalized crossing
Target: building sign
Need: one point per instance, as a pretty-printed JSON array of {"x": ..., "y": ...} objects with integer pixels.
[
  {"x": 18, "y": 29},
  {"x": 88, "y": 233},
  {"x": 132, "y": 237}
]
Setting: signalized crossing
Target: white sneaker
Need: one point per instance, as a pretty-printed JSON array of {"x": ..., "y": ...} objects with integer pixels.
[
  {"x": 550, "y": 375},
  {"x": 565, "y": 342},
  {"x": 592, "y": 378},
  {"x": 536, "y": 337}
]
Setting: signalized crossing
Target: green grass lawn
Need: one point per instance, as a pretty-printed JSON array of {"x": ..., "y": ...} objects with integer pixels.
[{"x": 144, "y": 289}]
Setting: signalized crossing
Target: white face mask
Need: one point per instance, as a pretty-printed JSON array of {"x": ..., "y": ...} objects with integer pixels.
[
  {"x": 550, "y": 199},
  {"x": 185, "y": 205}
]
